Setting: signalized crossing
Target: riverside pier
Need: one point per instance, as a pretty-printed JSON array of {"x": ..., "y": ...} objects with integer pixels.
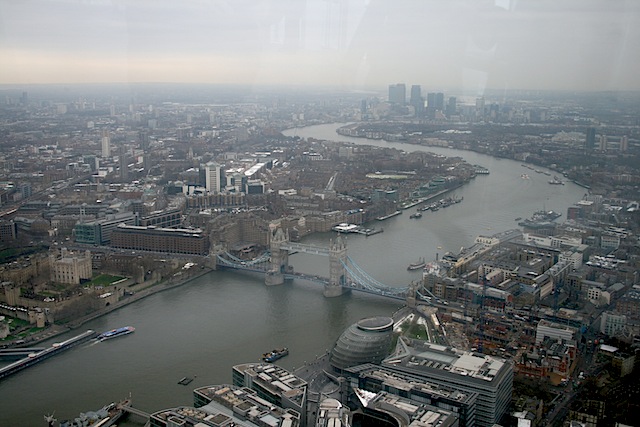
[{"x": 56, "y": 348}]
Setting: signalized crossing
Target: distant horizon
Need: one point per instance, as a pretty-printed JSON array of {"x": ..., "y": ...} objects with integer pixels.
[{"x": 371, "y": 89}]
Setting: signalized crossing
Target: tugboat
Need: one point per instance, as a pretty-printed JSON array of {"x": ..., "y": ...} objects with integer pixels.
[
  {"x": 417, "y": 265},
  {"x": 275, "y": 354}
]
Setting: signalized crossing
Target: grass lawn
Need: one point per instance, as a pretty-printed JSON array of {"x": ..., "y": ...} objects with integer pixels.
[
  {"x": 104, "y": 280},
  {"x": 10, "y": 254}
]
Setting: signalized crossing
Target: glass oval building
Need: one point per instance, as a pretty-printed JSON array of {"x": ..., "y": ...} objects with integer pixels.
[{"x": 367, "y": 341}]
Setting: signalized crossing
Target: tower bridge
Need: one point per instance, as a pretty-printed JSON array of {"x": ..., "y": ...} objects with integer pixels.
[{"x": 344, "y": 273}]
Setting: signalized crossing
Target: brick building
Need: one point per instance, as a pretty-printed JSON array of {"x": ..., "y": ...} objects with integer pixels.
[{"x": 150, "y": 238}]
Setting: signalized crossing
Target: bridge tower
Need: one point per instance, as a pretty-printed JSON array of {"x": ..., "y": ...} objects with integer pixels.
[
  {"x": 337, "y": 271},
  {"x": 279, "y": 257},
  {"x": 411, "y": 295}
]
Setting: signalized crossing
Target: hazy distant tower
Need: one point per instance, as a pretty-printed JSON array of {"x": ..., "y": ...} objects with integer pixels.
[
  {"x": 398, "y": 94},
  {"x": 604, "y": 143},
  {"x": 416, "y": 100},
  {"x": 124, "y": 164},
  {"x": 480, "y": 108},
  {"x": 590, "y": 142},
  {"x": 624, "y": 143},
  {"x": 106, "y": 143},
  {"x": 451, "y": 106}
]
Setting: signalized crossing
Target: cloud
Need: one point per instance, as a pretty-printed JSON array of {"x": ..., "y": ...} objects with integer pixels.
[{"x": 571, "y": 44}]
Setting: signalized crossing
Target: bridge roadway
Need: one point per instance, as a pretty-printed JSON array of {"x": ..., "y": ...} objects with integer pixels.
[
  {"x": 314, "y": 279},
  {"x": 130, "y": 409},
  {"x": 307, "y": 249}
]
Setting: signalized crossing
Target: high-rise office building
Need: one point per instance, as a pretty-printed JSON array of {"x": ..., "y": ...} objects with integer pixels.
[
  {"x": 624, "y": 143},
  {"x": 491, "y": 378},
  {"x": 480, "y": 108},
  {"x": 452, "y": 108},
  {"x": 213, "y": 177},
  {"x": 398, "y": 94},
  {"x": 604, "y": 143},
  {"x": 416, "y": 94},
  {"x": 590, "y": 142},
  {"x": 431, "y": 100},
  {"x": 124, "y": 164},
  {"x": 416, "y": 100},
  {"x": 440, "y": 101},
  {"x": 106, "y": 143},
  {"x": 435, "y": 101},
  {"x": 363, "y": 106}
]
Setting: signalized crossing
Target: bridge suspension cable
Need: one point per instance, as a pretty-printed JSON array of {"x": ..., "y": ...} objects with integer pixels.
[
  {"x": 363, "y": 279},
  {"x": 230, "y": 257}
]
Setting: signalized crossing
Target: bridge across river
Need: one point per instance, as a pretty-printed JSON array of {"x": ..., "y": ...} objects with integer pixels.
[{"x": 344, "y": 273}]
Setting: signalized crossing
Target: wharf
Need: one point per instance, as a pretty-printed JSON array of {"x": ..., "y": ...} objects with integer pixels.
[
  {"x": 18, "y": 353},
  {"x": 370, "y": 231},
  {"x": 56, "y": 348},
  {"x": 391, "y": 215}
]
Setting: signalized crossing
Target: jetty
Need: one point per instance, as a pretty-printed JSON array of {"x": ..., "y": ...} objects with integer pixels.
[{"x": 56, "y": 348}]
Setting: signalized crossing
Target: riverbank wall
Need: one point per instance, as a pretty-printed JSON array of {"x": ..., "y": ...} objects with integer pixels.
[{"x": 136, "y": 293}]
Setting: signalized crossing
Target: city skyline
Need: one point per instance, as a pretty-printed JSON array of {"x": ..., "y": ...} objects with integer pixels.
[{"x": 357, "y": 44}]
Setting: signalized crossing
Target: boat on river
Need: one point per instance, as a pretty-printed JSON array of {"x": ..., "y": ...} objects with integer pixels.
[
  {"x": 556, "y": 181},
  {"x": 415, "y": 215},
  {"x": 113, "y": 333},
  {"x": 104, "y": 417},
  {"x": 275, "y": 354},
  {"x": 417, "y": 265}
]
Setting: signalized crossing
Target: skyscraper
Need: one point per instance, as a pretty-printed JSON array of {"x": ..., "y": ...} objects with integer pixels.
[
  {"x": 213, "y": 177},
  {"x": 398, "y": 94},
  {"x": 435, "y": 101},
  {"x": 439, "y": 101},
  {"x": 590, "y": 142},
  {"x": 604, "y": 143},
  {"x": 106, "y": 143},
  {"x": 480, "y": 108},
  {"x": 451, "y": 106},
  {"x": 124, "y": 164},
  {"x": 416, "y": 100},
  {"x": 624, "y": 143}
]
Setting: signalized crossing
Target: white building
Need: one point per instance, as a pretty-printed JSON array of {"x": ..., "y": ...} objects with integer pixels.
[
  {"x": 598, "y": 297},
  {"x": 553, "y": 241},
  {"x": 554, "y": 331},
  {"x": 611, "y": 323},
  {"x": 575, "y": 258},
  {"x": 213, "y": 177},
  {"x": 70, "y": 268},
  {"x": 106, "y": 143},
  {"x": 609, "y": 241}
]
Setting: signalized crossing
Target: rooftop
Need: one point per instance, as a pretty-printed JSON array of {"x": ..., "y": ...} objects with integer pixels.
[
  {"x": 231, "y": 400},
  {"x": 276, "y": 379},
  {"x": 427, "y": 356},
  {"x": 405, "y": 411}
]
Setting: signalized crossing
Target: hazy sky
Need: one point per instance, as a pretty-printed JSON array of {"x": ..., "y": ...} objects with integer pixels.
[{"x": 358, "y": 44}]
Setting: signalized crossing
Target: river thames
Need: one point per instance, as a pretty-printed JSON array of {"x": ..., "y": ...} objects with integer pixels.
[{"x": 204, "y": 327}]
